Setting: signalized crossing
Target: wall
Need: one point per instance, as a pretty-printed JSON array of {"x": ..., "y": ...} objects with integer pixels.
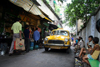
[{"x": 90, "y": 28}]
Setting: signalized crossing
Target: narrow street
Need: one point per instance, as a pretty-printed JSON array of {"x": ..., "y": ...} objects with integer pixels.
[{"x": 39, "y": 58}]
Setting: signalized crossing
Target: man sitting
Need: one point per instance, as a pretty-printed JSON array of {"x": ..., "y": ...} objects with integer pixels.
[
  {"x": 87, "y": 50},
  {"x": 95, "y": 51}
]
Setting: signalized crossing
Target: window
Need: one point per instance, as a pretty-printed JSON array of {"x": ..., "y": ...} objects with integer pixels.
[
  {"x": 60, "y": 32},
  {"x": 65, "y": 33}
]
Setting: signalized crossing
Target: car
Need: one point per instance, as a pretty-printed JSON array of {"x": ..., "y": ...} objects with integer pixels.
[{"x": 58, "y": 39}]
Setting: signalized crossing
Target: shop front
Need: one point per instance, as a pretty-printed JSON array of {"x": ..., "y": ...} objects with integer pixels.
[{"x": 8, "y": 15}]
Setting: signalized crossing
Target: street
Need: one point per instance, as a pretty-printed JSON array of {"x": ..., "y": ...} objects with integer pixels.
[{"x": 39, "y": 58}]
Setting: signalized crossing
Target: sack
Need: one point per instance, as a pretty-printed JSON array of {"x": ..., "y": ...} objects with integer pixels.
[{"x": 19, "y": 44}]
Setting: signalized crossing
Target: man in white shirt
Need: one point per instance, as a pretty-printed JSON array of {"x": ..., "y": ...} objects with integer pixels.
[
  {"x": 90, "y": 44},
  {"x": 80, "y": 43},
  {"x": 87, "y": 50}
]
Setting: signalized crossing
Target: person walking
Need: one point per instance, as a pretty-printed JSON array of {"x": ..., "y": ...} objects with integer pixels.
[
  {"x": 36, "y": 37},
  {"x": 72, "y": 39},
  {"x": 17, "y": 30},
  {"x": 27, "y": 34}
]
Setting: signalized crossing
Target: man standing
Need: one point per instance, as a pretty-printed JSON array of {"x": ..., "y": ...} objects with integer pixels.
[
  {"x": 36, "y": 36},
  {"x": 17, "y": 30},
  {"x": 27, "y": 34},
  {"x": 72, "y": 39}
]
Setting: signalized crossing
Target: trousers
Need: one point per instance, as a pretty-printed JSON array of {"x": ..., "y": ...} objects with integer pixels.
[
  {"x": 12, "y": 44},
  {"x": 36, "y": 43},
  {"x": 27, "y": 44}
]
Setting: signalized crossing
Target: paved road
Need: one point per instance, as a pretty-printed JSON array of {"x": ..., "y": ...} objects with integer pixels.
[{"x": 39, "y": 58}]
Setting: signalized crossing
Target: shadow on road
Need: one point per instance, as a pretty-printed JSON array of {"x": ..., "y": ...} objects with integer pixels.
[{"x": 58, "y": 51}]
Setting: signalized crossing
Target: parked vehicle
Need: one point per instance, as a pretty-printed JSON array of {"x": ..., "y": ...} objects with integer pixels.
[{"x": 58, "y": 39}]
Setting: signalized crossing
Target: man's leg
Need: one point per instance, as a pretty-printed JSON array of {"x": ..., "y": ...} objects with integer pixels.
[
  {"x": 25, "y": 44},
  {"x": 28, "y": 45},
  {"x": 12, "y": 45},
  {"x": 38, "y": 43},
  {"x": 34, "y": 44},
  {"x": 83, "y": 55},
  {"x": 81, "y": 52},
  {"x": 85, "y": 59}
]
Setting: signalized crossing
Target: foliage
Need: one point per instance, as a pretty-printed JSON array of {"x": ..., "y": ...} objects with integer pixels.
[
  {"x": 80, "y": 9},
  {"x": 61, "y": 1},
  {"x": 57, "y": 10},
  {"x": 48, "y": 1}
]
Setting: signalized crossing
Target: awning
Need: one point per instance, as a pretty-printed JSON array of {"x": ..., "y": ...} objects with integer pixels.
[
  {"x": 46, "y": 24},
  {"x": 48, "y": 19},
  {"x": 28, "y": 6},
  {"x": 35, "y": 2},
  {"x": 52, "y": 26}
]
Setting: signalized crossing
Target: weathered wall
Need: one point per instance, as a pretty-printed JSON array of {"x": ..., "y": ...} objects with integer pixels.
[{"x": 91, "y": 28}]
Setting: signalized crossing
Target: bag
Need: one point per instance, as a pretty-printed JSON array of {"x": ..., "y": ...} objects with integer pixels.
[{"x": 19, "y": 44}]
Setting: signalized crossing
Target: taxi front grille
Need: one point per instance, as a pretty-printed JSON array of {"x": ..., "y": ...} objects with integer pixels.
[{"x": 56, "y": 41}]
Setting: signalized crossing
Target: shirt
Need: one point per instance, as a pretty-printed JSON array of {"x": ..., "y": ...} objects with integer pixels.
[
  {"x": 36, "y": 35},
  {"x": 91, "y": 44},
  {"x": 81, "y": 44},
  {"x": 26, "y": 33},
  {"x": 95, "y": 54},
  {"x": 72, "y": 38},
  {"x": 16, "y": 27},
  {"x": 76, "y": 41}
]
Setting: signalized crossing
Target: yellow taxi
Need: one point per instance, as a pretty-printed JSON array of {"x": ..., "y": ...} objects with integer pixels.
[{"x": 58, "y": 39}]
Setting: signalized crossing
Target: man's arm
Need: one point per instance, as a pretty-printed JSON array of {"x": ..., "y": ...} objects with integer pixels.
[
  {"x": 30, "y": 34},
  {"x": 24, "y": 34},
  {"x": 39, "y": 35},
  {"x": 33, "y": 35},
  {"x": 20, "y": 34},
  {"x": 93, "y": 49},
  {"x": 88, "y": 45}
]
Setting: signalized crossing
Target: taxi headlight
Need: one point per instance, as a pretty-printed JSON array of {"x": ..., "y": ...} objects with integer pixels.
[
  {"x": 66, "y": 40},
  {"x": 46, "y": 39}
]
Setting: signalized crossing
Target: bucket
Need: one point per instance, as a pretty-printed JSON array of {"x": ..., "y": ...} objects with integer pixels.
[
  {"x": 31, "y": 45},
  {"x": 36, "y": 46}
]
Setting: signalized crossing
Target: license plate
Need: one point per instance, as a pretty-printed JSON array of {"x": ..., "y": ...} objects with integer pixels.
[{"x": 55, "y": 47}]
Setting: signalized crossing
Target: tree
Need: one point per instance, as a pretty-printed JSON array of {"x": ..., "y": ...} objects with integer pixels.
[
  {"x": 61, "y": 1},
  {"x": 80, "y": 9}
]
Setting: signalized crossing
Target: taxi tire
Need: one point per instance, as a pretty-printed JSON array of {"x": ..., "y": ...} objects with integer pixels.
[
  {"x": 46, "y": 49},
  {"x": 68, "y": 50}
]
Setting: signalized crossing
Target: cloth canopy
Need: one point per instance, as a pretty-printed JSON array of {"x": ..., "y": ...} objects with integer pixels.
[
  {"x": 28, "y": 6},
  {"x": 52, "y": 26}
]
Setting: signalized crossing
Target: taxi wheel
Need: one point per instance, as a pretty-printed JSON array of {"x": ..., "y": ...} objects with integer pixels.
[
  {"x": 46, "y": 49},
  {"x": 68, "y": 50}
]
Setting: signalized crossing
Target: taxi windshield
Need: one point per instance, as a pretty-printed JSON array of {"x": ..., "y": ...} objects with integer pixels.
[{"x": 60, "y": 32}]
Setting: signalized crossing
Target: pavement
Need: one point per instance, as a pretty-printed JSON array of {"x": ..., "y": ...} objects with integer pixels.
[{"x": 39, "y": 58}]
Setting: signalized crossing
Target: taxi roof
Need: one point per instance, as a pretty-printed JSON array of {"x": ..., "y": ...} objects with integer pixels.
[{"x": 60, "y": 29}]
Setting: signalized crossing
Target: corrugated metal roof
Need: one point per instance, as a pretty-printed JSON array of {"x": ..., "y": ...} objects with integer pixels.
[
  {"x": 35, "y": 2},
  {"x": 26, "y": 5}
]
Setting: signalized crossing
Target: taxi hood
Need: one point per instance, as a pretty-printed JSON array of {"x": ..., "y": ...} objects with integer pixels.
[{"x": 57, "y": 37}]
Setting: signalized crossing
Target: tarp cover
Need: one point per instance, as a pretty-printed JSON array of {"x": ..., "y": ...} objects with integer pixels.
[{"x": 26, "y": 5}]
